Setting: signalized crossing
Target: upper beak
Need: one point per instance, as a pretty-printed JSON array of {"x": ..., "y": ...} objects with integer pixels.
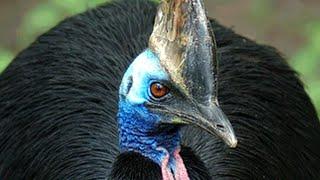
[{"x": 214, "y": 121}]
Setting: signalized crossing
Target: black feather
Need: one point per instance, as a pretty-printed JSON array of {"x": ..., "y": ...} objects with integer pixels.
[
  {"x": 59, "y": 101},
  {"x": 132, "y": 165}
]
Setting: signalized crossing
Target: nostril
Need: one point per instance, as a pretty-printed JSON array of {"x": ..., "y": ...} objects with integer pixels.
[{"x": 220, "y": 127}]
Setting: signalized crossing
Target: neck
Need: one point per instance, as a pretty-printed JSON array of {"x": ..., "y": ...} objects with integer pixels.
[{"x": 140, "y": 135}]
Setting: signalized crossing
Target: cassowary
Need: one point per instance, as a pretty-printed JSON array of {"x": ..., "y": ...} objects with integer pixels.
[{"x": 98, "y": 97}]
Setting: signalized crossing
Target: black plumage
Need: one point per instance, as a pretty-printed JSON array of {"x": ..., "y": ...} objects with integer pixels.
[{"x": 59, "y": 103}]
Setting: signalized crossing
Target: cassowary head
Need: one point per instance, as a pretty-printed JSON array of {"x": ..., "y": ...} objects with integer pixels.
[{"x": 171, "y": 84}]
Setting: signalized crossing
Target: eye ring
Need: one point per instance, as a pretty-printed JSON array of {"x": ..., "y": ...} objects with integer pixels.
[{"x": 158, "y": 90}]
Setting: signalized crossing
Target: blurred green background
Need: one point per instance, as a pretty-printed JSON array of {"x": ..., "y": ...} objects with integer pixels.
[{"x": 292, "y": 26}]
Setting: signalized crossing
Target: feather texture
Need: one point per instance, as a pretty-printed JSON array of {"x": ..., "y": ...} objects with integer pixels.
[{"x": 59, "y": 100}]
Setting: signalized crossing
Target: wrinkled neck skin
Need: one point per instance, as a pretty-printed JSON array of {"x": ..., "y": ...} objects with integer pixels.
[{"x": 139, "y": 133}]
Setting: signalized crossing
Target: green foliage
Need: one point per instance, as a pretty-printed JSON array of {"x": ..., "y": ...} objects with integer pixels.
[
  {"x": 307, "y": 62},
  {"x": 260, "y": 9},
  {"x": 43, "y": 17},
  {"x": 5, "y": 58},
  {"x": 48, "y": 14}
]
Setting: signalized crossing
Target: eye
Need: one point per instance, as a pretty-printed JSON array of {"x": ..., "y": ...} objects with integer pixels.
[{"x": 158, "y": 90}]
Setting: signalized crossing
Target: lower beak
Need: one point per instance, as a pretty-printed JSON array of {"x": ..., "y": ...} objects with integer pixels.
[{"x": 214, "y": 121}]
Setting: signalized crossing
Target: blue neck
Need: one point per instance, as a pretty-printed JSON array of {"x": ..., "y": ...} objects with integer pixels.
[{"x": 139, "y": 132}]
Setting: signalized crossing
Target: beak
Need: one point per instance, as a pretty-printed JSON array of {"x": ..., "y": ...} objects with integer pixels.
[
  {"x": 214, "y": 121},
  {"x": 209, "y": 118}
]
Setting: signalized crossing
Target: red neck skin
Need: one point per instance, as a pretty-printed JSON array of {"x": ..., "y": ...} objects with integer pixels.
[{"x": 180, "y": 171}]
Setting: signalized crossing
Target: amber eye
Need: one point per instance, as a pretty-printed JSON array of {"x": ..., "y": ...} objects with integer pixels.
[{"x": 158, "y": 90}]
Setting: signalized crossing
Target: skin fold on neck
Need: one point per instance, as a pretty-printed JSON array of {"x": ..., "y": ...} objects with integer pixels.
[{"x": 141, "y": 135}]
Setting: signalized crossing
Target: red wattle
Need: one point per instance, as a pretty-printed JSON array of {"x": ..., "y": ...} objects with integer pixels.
[
  {"x": 166, "y": 173},
  {"x": 180, "y": 170}
]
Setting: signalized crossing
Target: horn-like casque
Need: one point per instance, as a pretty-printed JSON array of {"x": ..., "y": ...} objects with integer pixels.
[{"x": 184, "y": 42}]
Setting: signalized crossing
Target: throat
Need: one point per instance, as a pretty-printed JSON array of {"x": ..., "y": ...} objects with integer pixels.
[
  {"x": 140, "y": 132},
  {"x": 155, "y": 146},
  {"x": 162, "y": 148}
]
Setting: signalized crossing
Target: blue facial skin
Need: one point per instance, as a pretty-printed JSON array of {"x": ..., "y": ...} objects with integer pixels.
[{"x": 138, "y": 126}]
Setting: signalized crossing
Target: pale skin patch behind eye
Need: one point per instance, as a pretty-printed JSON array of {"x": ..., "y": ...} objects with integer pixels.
[{"x": 144, "y": 68}]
